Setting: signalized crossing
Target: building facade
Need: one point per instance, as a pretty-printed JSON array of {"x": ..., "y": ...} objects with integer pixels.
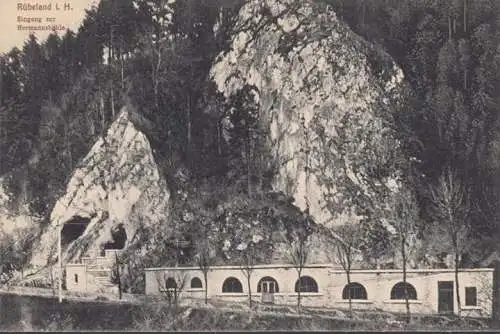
[
  {"x": 429, "y": 290},
  {"x": 92, "y": 274}
]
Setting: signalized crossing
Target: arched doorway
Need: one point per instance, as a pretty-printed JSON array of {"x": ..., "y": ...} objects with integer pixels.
[{"x": 268, "y": 286}]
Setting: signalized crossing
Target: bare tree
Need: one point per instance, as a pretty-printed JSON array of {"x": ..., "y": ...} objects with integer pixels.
[
  {"x": 171, "y": 285},
  {"x": 450, "y": 200},
  {"x": 345, "y": 250},
  {"x": 404, "y": 216},
  {"x": 247, "y": 266},
  {"x": 204, "y": 260},
  {"x": 299, "y": 250}
]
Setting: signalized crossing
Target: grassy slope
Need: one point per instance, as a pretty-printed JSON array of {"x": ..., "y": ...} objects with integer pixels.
[{"x": 41, "y": 313}]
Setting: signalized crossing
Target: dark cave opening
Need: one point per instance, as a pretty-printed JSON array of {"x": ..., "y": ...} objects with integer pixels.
[
  {"x": 73, "y": 229},
  {"x": 119, "y": 236}
]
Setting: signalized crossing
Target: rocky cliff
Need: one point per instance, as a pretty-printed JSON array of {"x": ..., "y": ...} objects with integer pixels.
[
  {"x": 116, "y": 184},
  {"x": 323, "y": 93},
  {"x": 318, "y": 84}
]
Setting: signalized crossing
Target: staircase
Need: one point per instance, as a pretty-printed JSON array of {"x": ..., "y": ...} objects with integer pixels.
[
  {"x": 104, "y": 282},
  {"x": 95, "y": 273}
]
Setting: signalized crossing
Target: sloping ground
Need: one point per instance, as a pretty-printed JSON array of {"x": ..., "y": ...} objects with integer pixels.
[{"x": 41, "y": 313}]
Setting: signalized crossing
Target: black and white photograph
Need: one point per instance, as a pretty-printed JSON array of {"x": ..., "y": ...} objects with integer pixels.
[{"x": 249, "y": 165}]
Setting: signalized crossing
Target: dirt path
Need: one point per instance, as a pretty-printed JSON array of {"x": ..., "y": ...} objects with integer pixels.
[{"x": 49, "y": 293}]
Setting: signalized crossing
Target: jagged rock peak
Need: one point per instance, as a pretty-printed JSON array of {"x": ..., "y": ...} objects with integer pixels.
[
  {"x": 311, "y": 73},
  {"x": 117, "y": 183}
]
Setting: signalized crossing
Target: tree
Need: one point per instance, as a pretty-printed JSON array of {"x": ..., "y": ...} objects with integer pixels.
[
  {"x": 345, "y": 251},
  {"x": 244, "y": 133},
  {"x": 204, "y": 261},
  {"x": 405, "y": 216},
  {"x": 299, "y": 250},
  {"x": 171, "y": 285},
  {"x": 451, "y": 202},
  {"x": 248, "y": 261}
]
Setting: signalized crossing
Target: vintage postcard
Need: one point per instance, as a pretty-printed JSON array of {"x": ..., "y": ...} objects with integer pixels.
[{"x": 246, "y": 165}]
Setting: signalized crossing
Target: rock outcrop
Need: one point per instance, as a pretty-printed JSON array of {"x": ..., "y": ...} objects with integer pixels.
[
  {"x": 117, "y": 183},
  {"x": 317, "y": 82}
]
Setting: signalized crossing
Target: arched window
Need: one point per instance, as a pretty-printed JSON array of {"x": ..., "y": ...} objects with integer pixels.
[
  {"x": 398, "y": 291},
  {"x": 306, "y": 284},
  {"x": 170, "y": 283},
  {"x": 232, "y": 284},
  {"x": 268, "y": 284},
  {"x": 356, "y": 290},
  {"x": 196, "y": 283}
]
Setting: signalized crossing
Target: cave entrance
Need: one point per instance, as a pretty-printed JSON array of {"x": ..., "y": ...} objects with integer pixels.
[
  {"x": 119, "y": 236},
  {"x": 73, "y": 229}
]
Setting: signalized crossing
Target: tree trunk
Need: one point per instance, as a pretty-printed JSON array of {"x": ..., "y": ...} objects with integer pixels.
[
  {"x": 101, "y": 111},
  {"x": 298, "y": 292},
  {"x": 189, "y": 126},
  {"x": 155, "y": 87},
  {"x": 122, "y": 65},
  {"x": 363, "y": 13},
  {"x": 261, "y": 174},
  {"x": 449, "y": 28},
  {"x": 205, "y": 277},
  {"x": 465, "y": 78},
  {"x": 118, "y": 276},
  {"x": 249, "y": 172},
  {"x": 52, "y": 280},
  {"x": 156, "y": 71},
  {"x": 407, "y": 302},
  {"x": 249, "y": 291},
  {"x": 219, "y": 137},
  {"x": 457, "y": 288},
  {"x": 112, "y": 101},
  {"x": 465, "y": 16},
  {"x": 68, "y": 146},
  {"x": 348, "y": 273}
]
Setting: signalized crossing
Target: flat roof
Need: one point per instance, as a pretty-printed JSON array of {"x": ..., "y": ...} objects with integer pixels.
[
  {"x": 328, "y": 266},
  {"x": 258, "y": 266}
]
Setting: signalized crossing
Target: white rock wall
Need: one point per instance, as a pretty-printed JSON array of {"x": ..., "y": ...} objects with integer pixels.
[{"x": 117, "y": 180}]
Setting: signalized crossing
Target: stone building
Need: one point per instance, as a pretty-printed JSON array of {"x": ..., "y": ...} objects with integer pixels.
[
  {"x": 92, "y": 274},
  {"x": 321, "y": 285}
]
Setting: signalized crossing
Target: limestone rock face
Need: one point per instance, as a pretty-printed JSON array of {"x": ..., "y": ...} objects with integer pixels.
[
  {"x": 311, "y": 74},
  {"x": 118, "y": 182}
]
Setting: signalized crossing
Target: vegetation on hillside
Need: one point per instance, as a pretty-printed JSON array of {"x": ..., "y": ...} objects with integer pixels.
[
  {"x": 450, "y": 54},
  {"x": 57, "y": 96}
]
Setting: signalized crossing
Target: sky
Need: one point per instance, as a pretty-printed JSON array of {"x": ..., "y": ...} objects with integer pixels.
[{"x": 10, "y": 36}]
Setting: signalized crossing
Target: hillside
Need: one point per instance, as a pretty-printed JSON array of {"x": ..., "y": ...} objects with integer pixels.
[{"x": 170, "y": 129}]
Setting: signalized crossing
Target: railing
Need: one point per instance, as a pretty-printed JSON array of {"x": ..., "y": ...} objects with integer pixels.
[{"x": 98, "y": 263}]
